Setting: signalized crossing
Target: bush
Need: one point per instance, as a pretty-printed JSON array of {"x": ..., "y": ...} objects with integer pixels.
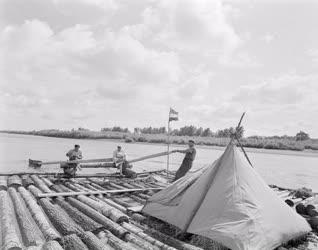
[
  {"x": 141, "y": 139},
  {"x": 129, "y": 140}
]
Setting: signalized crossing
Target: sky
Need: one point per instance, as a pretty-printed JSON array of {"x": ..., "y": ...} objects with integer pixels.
[{"x": 99, "y": 63}]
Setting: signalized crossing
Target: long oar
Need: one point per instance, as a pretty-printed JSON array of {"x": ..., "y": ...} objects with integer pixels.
[{"x": 37, "y": 164}]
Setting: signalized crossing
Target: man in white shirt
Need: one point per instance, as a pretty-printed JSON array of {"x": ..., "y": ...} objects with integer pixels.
[
  {"x": 119, "y": 157},
  {"x": 74, "y": 154}
]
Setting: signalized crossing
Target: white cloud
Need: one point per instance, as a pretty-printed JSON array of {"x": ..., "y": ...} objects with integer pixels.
[
  {"x": 268, "y": 38},
  {"x": 85, "y": 61}
]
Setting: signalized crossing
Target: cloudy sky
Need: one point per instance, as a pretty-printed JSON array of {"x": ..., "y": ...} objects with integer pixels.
[{"x": 97, "y": 63}]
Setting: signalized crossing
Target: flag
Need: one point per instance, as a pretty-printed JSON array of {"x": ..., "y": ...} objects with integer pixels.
[{"x": 173, "y": 115}]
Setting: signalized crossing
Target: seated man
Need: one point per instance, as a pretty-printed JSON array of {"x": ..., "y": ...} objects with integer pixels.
[
  {"x": 119, "y": 157},
  {"x": 74, "y": 154}
]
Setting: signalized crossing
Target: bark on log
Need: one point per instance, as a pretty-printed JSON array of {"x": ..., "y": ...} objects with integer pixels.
[
  {"x": 28, "y": 181},
  {"x": 90, "y": 187},
  {"x": 113, "y": 241},
  {"x": 139, "y": 232},
  {"x": 73, "y": 242},
  {"x": 52, "y": 245},
  {"x": 138, "y": 217},
  {"x": 116, "y": 186},
  {"x": 120, "y": 201},
  {"x": 39, "y": 217},
  {"x": 10, "y": 238},
  {"x": 47, "y": 182},
  {"x": 50, "y": 195},
  {"x": 93, "y": 242},
  {"x": 40, "y": 184},
  {"x": 110, "y": 212},
  {"x": 109, "y": 224},
  {"x": 14, "y": 180},
  {"x": 143, "y": 196},
  {"x": 80, "y": 218},
  {"x": 113, "y": 204},
  {"x": 3, "y": 183},
  {"x": 34, "y": 190},
  {"x": 140, "y": 243},
  {"x": 30, "y": 232},
  {"x": 57, "y": 188},
  {"x": 170, "y": 240},
  {"x": 138, "y": 199},
  {"x": 62, "y": 222}
]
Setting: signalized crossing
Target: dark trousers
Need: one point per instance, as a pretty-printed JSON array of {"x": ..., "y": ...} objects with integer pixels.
[{"x": 184, "y": 168}]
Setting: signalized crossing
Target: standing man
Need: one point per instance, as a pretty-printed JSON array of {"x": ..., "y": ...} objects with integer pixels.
[
  {"x": 119, "y": 157},
  {"x": 74, "y": 154},
  {"x": 187, "y": 161}
]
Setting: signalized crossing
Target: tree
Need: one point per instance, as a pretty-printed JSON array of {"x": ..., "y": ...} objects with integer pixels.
[
  {"x": 207, "y": 132},
  {"x": 302, "y": 136}
]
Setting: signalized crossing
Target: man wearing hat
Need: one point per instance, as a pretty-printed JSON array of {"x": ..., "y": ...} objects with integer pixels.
[
  {"x": 187, "y": 161},
  {"x": 73, "y": 154}
]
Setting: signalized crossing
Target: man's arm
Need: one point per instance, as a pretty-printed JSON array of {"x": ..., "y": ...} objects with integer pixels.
[
  {"x": 68, "y": 153},
  {"x": 114, "y": 156},
  {"x": 80, "y": 156},
  {"x": 181, "y": 151}
]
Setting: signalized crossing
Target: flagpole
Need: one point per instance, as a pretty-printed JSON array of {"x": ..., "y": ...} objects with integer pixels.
[{"x": 168, "y": 145}]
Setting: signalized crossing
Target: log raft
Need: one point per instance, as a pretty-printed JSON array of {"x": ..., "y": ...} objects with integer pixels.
[{"x": 90, "y": 212}]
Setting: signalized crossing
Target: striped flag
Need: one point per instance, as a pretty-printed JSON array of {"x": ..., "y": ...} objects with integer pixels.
[{"x": 173, "y": 115}]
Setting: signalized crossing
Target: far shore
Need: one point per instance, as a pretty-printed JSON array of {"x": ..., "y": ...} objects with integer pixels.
[{"x": 262, "y": 145}]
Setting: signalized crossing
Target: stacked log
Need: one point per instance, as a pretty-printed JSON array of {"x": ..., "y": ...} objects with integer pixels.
[
  {"x": 52, "y": 245},
  {"x": 62, "y": 222},
  {"x": 47, "y": 182},
  {"x": 40, "y": 184},
  {"x": 3, "y": 183},
  {"x": 57, "y": 188},
  {"x": 80, "y": 218},
  {"x": 10, "y": 238},
  {"x": 73, "y": 242},
  {"x": 30, "y": 232},
  {"x": 138, "y": 217},
  {"x": 116, "y": 243},
  {"x": 14, "y": 180},
  {"x": 34, "y": 190},
  {"x": 120, "y": 202},
  {"x": 93, "y": 242},
  {"x": 28, "y": 181},
  {"x": 139, "y": 232},
  {"x": 112, "y": 203},
  {"x": 141, "y": 243},
  {"x": 109, "y": 211},
  {"x": 48, "y": 231},
  {"x": 96, "y": 216},
  {"x": 138, "y": 199},
  {"x": 170, "y": 240}
]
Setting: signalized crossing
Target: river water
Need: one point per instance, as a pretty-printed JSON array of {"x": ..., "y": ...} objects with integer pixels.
[{"x": 283, "y": 168}]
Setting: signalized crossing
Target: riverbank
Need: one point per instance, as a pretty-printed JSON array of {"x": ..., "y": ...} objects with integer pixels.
[{"x": 260, "y": 143}]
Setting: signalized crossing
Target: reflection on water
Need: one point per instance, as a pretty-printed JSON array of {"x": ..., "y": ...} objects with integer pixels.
[{"x": 287, "y": 170}]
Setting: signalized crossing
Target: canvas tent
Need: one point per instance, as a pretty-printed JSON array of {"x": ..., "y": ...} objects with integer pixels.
[{"x": 230, "y": 203}]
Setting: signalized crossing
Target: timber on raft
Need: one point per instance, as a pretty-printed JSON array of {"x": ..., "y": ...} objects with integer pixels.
[{"x": 95, "y": 216}]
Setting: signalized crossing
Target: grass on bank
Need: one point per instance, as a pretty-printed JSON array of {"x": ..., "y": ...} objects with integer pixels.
[{"x": 265, "y": 143}]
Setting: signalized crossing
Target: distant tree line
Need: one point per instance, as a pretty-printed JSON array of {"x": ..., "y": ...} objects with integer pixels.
[
  {"x": 183, "y": 131},
  {"x": 203, "y": 132},
  {"x": 115, "y": 129}
]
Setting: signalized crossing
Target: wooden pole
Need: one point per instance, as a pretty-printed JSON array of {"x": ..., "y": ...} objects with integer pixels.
[
  {"x": 50, "y": 195},
  {"x": 168, "y": 146},
  {"x": 39, "y": 163}
]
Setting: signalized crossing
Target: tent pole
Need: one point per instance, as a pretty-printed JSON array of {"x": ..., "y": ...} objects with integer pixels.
[{"x": 168, "y": 147}]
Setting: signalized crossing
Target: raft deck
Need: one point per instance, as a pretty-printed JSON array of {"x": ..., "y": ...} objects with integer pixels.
[{"x": 93, "y": 214}]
